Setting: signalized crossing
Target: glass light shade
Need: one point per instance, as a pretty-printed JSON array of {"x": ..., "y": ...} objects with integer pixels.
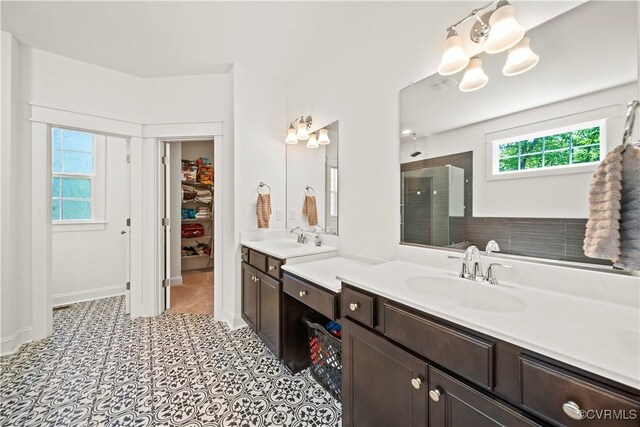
[
  {"x": 291, "y": 136},
  {"x": 302, "y": 134},
  {"x": 521, "y": 58},
  {"x": 312, "y": 142},
  {"x": 474, "y": 76},
  {"x": 505, "y": 30},
  {"x": 323, "y": 139},
  {"x": 454, "y": 58}
]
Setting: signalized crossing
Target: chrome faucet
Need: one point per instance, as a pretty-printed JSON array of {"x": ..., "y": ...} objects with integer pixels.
[
  {"x": 492, "y": 246},
  {"x": 300, "y": 232},
  {"x": 472, "y": 265}
]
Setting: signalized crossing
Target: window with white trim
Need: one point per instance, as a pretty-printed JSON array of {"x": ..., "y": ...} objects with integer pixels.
[
  {"x": 74, "y": 172},
  {"x": 558, "y": 149}
]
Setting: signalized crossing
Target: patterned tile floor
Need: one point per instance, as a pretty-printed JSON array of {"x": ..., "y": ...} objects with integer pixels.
[{"x": 101, "y": 368}]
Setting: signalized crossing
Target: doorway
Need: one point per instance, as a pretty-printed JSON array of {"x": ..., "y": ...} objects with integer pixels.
[{"x": 189, "y": 192}]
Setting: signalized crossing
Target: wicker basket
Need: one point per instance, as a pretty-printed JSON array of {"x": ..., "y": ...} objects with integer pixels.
[{"x": 325, "y": 352}]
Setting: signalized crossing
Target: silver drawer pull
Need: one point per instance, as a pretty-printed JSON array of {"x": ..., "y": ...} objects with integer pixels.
[
  {"x": 272, "y": 267},
  {"x": 354, "y": 306},
  {"x": 435, "y": 394},
  {"x": 416, "y": 383},
  {"x": 573, "y": 411},
  {"x": 302, "y": 293},
  {"x": 253, "y": 278}
]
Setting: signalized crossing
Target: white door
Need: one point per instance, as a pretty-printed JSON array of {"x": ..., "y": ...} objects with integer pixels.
[
  {"x": 126, "y": 232},
  {"x": 166, "y": 224}
]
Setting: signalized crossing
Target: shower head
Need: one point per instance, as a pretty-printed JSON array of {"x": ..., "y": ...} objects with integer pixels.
[{"x": 415, "y": 152}]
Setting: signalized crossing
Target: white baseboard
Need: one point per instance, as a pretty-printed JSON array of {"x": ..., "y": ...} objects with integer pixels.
[
  {"x": 238, "y": 322},
  {"x": 233, "y": 321},
  {"x": 11, "y": 343},
  {"x": 176, "y": 280},
  {"x": 87, "y": 295}
]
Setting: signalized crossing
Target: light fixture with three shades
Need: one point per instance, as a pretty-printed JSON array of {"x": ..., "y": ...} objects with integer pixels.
[
  {"x": 499, "y": 31},
  {"x": 299, "y": 131}
]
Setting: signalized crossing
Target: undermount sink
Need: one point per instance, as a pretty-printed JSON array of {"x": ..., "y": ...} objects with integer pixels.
[
  {"x": 466, "y": 293},
  {"x": 285, "y": 245}
]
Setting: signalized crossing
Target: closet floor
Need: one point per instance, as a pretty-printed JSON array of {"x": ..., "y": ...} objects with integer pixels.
[
  {"x": 102, "y": 368},
  {"x": 195, "y": 294}
]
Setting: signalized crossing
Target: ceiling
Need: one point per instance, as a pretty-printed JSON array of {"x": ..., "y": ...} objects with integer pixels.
[{"x": 168, "y": 38}]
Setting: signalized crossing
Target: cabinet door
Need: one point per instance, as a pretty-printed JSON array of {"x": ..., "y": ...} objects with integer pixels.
[
  {"x": 269, "y": 301},
  {"x": 455, "y": 404},
  {"x": 249, "y": 295},
  {"x": 382, "y": 385}
]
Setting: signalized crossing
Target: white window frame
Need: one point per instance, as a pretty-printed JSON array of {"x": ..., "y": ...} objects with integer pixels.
[
  {"x": 98, "y": 185},
  {"x": 554, "y": 126}
]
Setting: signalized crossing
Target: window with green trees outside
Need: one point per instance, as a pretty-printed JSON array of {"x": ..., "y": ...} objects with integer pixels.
[{"x": 565, "y": 148}]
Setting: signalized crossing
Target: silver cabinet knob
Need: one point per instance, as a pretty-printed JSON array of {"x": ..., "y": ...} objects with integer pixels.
[
  {"x": 253, "y": 278},
  {"x": 302, "y": 293},
  {"x": 573, "y": 411},
  {"x": 435, "y": 394},
  {"x": 354, "y": 306},
  {"x": 416, "y": 383},
  {"x": 272, "y": 267}
]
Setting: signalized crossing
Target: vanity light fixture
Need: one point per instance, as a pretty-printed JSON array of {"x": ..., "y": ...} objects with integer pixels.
[
  {"x": 406, "y": 132},
  {"x": 474, "y": 76},
  {"x": 521, "y": 58},
  {"x": 499, "y": 31},
  {"x": 323, "y": 138},
  {"x": 312, "y": 142},
  {"x": 302, "y": 134}
]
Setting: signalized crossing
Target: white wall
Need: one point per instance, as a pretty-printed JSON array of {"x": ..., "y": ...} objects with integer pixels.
[
  {"x": 259, "y": 128},
  {"x": 89, "y": 264},
  {"x": 530, "y": 196}
]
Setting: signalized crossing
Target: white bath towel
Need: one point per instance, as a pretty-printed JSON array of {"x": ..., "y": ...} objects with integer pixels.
[
  {"x": 629, "y": 257},
  {"x": 602, "y": 237}
]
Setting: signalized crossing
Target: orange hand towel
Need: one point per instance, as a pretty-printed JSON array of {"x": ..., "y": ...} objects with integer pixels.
[
  {"x": 310, "y": 210},
  {"x": 263, "y": 210}
]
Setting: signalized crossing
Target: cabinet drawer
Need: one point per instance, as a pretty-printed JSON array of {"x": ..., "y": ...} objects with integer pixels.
[
  {"x": 244, "y": 254},
  {"x": 463, "y": 353},
  {"x": 357, "y": 306},
  {"x": 321, "y": 301},
  {"x": 546, "y": 389},
  {"x": 274, "y": 267},
  {"x": 258, "y": 260}
]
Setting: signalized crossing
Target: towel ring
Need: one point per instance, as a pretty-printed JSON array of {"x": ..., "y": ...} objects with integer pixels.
[
  {"x": 261, "y": 186},
  {"x": 631, "y": 118},
  {"x": 309, "y": 188}
]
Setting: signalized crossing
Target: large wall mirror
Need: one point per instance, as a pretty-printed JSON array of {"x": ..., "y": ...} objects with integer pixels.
[
  {"x": 312, "y": 180},
  {"x": 513, "y": 161}
]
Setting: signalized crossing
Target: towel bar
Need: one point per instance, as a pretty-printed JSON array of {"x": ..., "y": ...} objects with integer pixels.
[{"x": 261, "y": 186}]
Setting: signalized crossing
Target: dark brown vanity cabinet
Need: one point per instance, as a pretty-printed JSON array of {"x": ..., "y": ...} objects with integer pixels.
[
  {"x": 262, "y": 297},
  {"x": 465, "y": 378},
  {"x": 382, "y": 385}
]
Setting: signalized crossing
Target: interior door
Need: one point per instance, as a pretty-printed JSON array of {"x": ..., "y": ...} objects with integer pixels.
[
  {"x": 166, "y": 223},
  {"x": 126, "y": 231}
]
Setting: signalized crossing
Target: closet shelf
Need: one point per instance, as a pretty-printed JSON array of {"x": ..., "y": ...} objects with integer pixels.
[
  {"x": 195, "y": 256},
  {"x": 196, "y": 183},
  {"x": 184, "y": 202},
  {"x": 193, "y": 238},
  {"x": 197, "y": 219}
]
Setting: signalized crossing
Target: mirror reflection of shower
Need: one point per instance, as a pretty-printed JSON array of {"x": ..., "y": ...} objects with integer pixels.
[
  {"x": 430, "y": 197},
  {"x": 415, "y": 153}
]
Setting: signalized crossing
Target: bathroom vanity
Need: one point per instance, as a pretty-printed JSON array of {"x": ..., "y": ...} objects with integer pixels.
[
  {"x": 414, "y": 358},
  {"x": 262, "y": 285}
]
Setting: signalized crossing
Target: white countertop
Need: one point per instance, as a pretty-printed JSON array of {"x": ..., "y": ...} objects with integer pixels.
[
  {"x": 598, "y": 336},
  {"x": 323, "y": 272},
  {"x": 286, "y": 248}
]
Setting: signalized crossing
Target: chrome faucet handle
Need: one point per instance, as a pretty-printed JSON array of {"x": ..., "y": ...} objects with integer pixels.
[
  {"x": 492, "y": 246},
  {"x": 464, "y": 272},
  {"x": 491, "y": 274},
  {"x": 472, "y": 254}
]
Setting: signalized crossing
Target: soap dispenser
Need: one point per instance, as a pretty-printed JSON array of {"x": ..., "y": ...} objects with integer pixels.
[{"x": 317, "y": 240}]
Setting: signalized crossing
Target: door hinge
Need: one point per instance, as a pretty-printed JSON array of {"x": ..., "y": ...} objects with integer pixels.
[
  {"x": 166, "y": 283},
  {"x": 128, "y": 222},
  {"x": 165, "y": 160},
  {"x": 165, "y": 222},
  {"x": 128, "y": 286},
  {"x": 128, "y": 158}
]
